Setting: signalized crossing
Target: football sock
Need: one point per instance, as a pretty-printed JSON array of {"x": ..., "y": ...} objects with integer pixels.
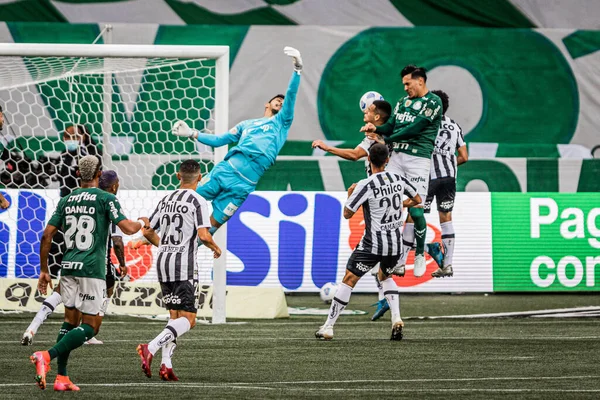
[
  {"x": 104, "y": 306},
  {"x": 48, "y": 306},
  {"x": 381, "y": 295},
  {"x": 72, "y": 340},
  {"x": 340, "y": 301},
  {"x": 420, "y": 229},
  {"x": 63, "y": 358},
  {"x": 408, "y": 238},
  {"x": 174, "y": 329},
  {"x": 448, "y": 241},
  {"x": 390, "y": 289},
  {"x": 375, "y": 272},
  {"x": 167, "y": 353}
]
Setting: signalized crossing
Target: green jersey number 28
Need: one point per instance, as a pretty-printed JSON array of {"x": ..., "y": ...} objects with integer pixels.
[{"x": 80, "y": 232}]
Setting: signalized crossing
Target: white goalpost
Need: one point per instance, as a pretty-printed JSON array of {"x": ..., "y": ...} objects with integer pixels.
[{"x": 127, "y": 97}]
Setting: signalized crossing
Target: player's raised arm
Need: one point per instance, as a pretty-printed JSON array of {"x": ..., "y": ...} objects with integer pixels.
[
  {"x": 181, "y": 129},
  {"x": 347, "y": 154},
  {"x": 287, "y": 109}
]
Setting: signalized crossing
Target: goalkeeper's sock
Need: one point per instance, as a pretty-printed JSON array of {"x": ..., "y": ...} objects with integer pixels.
[
  {"x": 48, "y": 307},
  {"x": 448, "y": 241},
  {"x": 340, "y": 301},
  {"x": 174, "y": 329},
  {"x": 408, "y": 238},
  {"x": 392, "y": 296},
  {"x": 420, "y": 229},
  {"x": 72, "y": 340},
  {"x": 64, "y": 358},
  {"x": 167, "y": 353}
]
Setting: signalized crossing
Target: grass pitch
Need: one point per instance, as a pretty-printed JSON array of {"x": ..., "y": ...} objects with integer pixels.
[{"x": 543, "y": 358}]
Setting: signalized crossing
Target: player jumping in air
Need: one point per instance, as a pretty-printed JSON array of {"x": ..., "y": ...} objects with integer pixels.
[
  {"x": 442, "y": 183},
  {"x": 413, "y": 130},
  {"x": 258, "y": 143},
  {"x": 182, "y": 218},
  {"x": 380, "y": 195},
  {"x": 84, "y": 216},
  {"x": 378, "y": 114}
]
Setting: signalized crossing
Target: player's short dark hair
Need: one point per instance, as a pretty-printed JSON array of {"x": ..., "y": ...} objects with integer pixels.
[
  {"x": 277, "y": 96},
  {"x": 414, "y": 71},
  {"x": 189, "y": 171},
  {"x": 445, "y": 99},
  {"x": 383, "y": 109},
  {"x": 0, "y": 108},
  {"x": 378, "y": 154},
  {"x": 107, "y": 179}
]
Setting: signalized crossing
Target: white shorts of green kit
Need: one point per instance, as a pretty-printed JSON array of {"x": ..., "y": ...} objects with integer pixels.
[
  {"x": 413, "y": 169},
  {"x": 84, "y": 294}
]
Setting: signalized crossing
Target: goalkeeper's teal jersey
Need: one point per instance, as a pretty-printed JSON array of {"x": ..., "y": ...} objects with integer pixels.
[
  {"x": 259, "y": 140},
  {"x": 414, "y": 125}
]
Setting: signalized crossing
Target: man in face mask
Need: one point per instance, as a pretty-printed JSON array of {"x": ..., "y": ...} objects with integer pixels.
[{"x": 78, "y": 143}]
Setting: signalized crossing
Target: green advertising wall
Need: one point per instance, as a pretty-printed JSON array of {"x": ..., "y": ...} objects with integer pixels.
[{"x": 546, "y": 242}]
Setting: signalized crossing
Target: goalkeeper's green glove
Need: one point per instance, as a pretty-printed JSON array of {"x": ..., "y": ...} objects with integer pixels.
[
  {"x": 180, "y": 128},
  {"x": 296, "y": 57}
]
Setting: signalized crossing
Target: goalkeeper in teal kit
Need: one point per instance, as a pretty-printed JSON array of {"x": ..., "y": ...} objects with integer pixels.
[{"x": 258, "y": 144}]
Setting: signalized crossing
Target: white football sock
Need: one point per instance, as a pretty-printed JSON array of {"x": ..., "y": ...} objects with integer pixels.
[
  {"x": 174, "y": 329},
  {"x": 167, "y": 354},
  {"x": 448, "y": 240},
  {"x": 375, "y": 272},
  {"x": 167, "y": 351},
  {"x": 340, "y": 301},
  {"x": 408, "y": 240},
  {"x": 392, "y": 296},
  {"x": 48, "y": 307},
  {"x": 104, "y": 306}
]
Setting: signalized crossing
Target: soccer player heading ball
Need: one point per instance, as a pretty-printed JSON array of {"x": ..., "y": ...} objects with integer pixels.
[
  {"x": 412, "y": 130},
  {"x": 258, "y": 143}
]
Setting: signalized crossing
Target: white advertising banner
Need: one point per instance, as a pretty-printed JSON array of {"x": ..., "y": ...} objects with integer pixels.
[{"x": 297, "y": 241}]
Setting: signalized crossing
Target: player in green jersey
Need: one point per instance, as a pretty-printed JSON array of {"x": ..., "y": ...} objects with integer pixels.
[
  {"x": 412, "y": 131},
  {"x": 84, "y": 216}
]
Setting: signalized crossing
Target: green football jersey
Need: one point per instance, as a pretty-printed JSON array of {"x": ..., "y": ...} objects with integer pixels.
[
  {"x": 414, "y": 126},
  {"x": 84, "y": 217}
]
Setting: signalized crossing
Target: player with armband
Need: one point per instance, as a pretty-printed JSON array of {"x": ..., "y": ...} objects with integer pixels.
[{"x": 258, "y": 143}]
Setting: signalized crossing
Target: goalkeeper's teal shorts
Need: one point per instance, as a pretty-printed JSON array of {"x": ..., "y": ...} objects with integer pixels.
[{"x": 226, "y": 188}]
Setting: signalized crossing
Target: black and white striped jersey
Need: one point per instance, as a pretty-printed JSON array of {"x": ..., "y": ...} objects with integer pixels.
[
  {"x": 366, "y": 146},
  {"x": 178, "y": 216},
  {"x": 381, "y": 198},
  {"x": 115, "y": 231},
  {"x": 449, "y": 140}
]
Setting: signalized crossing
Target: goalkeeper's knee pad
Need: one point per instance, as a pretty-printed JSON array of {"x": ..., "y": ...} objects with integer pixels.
[{"x": 416, "y": 212}]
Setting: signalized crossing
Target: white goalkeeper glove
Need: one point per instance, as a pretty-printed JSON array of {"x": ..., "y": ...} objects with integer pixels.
[
  {"x": 296, "y": 57},
  {"x": 180, "y": 128}
]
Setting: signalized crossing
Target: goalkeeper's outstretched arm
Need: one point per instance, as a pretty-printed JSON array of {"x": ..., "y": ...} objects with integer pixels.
[
  {"x": 181, "y": 129},
  {"x": 287, "y": 110}
]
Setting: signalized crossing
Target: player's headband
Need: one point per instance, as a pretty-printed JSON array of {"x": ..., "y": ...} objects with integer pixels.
[{"x": 279, "y": 96}]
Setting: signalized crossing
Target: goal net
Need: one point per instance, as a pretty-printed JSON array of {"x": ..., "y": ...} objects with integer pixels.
[{"x": 61, "y": 102}]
